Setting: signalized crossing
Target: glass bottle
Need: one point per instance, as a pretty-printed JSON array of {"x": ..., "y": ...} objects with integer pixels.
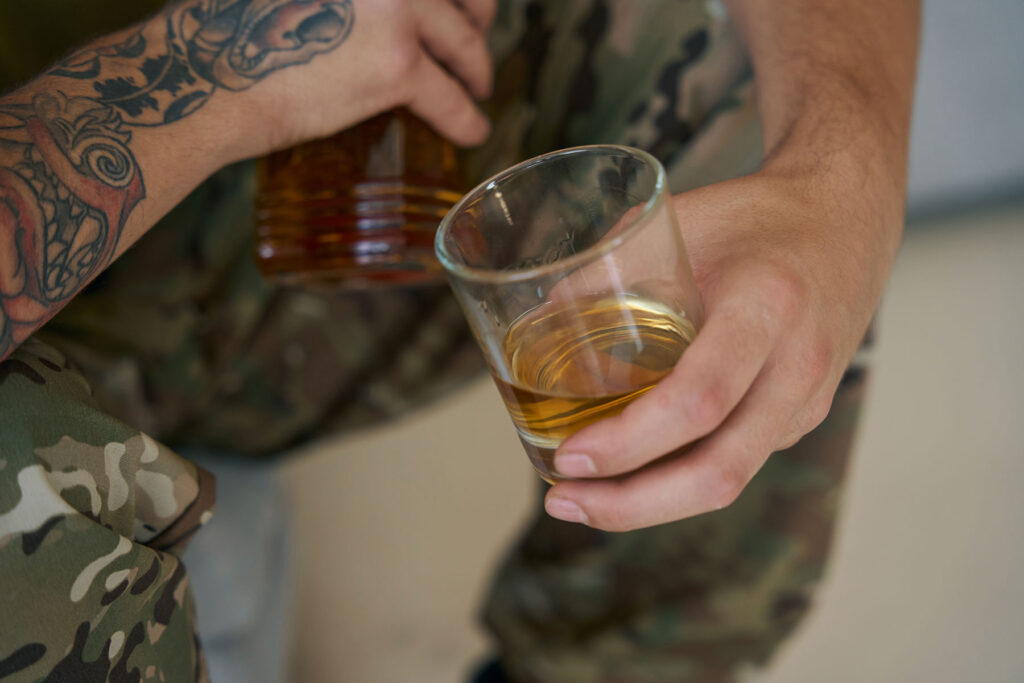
[{"x": 356, "y": 209}]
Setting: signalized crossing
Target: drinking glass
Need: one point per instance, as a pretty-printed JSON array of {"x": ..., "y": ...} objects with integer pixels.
[{"x": 571, "y": 270}]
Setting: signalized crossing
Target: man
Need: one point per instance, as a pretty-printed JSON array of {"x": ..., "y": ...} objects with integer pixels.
[{"x": 180, "y": 340}]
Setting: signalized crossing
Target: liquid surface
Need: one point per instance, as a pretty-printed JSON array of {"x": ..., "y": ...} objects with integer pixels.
[{"x": 579, "y": 362}]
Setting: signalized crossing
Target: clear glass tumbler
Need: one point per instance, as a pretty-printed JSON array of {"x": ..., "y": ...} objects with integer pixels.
[{"x": 572, "y": 272}]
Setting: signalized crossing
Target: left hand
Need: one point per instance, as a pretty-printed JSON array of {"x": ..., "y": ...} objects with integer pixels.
[
  {"x": 791, "y": 264},
  {"x": 430, "y": 56}
]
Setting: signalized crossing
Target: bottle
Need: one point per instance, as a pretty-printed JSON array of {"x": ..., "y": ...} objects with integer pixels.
[{"x": 357, "y": 209}]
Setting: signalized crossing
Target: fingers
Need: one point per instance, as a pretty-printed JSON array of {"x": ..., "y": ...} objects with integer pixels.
[
  {"x": 707, "y": 476},
  {"x": 441, "y": 101},
  {"x": 709, "y": 381},
  {"x": 813, "y": 414},
  {"x": 451, "y": 37},
  {"x": 481, "y": 11}
]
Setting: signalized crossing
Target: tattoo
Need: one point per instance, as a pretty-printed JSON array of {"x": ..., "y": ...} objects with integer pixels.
[{"x": 68, "y": 178}]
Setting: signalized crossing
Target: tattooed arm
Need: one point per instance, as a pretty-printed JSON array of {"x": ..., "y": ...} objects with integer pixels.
[{"x": 96, "y": 150}]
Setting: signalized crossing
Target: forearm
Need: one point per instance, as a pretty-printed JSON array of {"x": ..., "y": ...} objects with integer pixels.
[
  {"x": 96, "y": 150},
  {"x": 835, "y": 86},
  {"x": 831, "y": 70},
  {"x": 77, "y": 189}
]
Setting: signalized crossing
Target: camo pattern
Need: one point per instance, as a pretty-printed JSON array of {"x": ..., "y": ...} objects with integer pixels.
[
  {"x": 93, "y": 516},
  {"x": 183, "y": 341},
  {"x": 703, "y": 600}
]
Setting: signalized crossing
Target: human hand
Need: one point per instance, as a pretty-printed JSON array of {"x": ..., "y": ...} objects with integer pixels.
[
  {"x": 790, "y": 266},
  {"x": 362, "y": 57}
]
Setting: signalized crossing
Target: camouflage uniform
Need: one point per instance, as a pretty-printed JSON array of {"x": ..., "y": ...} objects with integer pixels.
[
  {"x": 93, "y": 515},
  {"x": 183, "y": 341}
]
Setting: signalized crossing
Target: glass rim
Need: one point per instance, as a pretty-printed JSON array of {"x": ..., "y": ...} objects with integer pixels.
[{"x": 490, "y": 275}]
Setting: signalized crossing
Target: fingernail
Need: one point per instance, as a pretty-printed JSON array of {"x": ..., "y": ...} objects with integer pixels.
[
  {"x": 565, "y": 510},
  {"x": 575, "y": 465}
]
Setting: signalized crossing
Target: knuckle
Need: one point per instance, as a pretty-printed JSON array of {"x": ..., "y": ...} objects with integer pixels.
[
  {"x": 619, "y": 522},
  {"x": 470, "y": 38},
  {"x": 725, "y": 486},
  {"x": 790, "y": 440},
  {"x": 490, "y": 11},
  {"x": 476, "y": 59},
  {"x": 817, "y": 362},
  {"x": 786, "y": 292},
  {"x": 707, "y": 406},
  {"x": 617, "y": 512},
  {"x": 464, "y": 118},
  {"x": 403, "y": 61},
  {"x": 613, "y": 524},
  {"x": 817, "y": 412},
  {"x": 659, "y": 402},
  {"x": 486, "y": 68},
  {"x": 452, "y": 111}
]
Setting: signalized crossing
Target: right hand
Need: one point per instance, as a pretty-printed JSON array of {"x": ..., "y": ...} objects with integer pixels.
[{"x": 427, "y": 55}]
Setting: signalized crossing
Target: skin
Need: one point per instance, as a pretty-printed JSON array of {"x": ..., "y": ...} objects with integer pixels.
[
  {"x": 96, "y": 150},
  {"x": 791, "y": 262}
]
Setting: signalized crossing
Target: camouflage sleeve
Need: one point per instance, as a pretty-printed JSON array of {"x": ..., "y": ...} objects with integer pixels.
[{"x": 93, "y": 517}]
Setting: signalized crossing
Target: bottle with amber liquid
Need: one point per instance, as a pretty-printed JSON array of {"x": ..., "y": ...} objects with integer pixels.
[{"x": 357, "y": 209}]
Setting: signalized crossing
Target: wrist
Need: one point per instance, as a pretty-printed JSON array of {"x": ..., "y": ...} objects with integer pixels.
[
  {"x": 846, "y": 176},
  {"x": 847, "y": 149}
]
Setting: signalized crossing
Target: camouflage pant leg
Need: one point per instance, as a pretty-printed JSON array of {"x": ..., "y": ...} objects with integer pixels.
[
  {"x": 700, "y": 599},
  {"x": 93, "y": 516}
]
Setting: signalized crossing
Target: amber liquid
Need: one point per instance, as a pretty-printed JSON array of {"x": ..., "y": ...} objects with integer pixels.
[
  {"x": 360, "y": 208},
  {"x": 575, "y": 363}
]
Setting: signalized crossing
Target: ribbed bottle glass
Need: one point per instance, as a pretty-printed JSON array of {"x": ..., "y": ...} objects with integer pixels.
[{"x": 356, "y": 209}]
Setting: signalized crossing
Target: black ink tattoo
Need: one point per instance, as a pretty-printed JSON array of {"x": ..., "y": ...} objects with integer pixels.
[
  {"x": 166, "y": 70},
  {"x": 68, "y": 178}
]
